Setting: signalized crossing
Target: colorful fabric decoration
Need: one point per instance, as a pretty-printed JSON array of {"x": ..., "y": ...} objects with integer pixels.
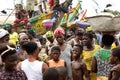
[
  {"x": 73, "y": 14},
  {"x": 32, "y": 20},
  {"x": 82, "y": 24},
  {"x": 59, "y": 31},
  {"x": 22, "y": 21},
  {"x": 47, "y": 23}
]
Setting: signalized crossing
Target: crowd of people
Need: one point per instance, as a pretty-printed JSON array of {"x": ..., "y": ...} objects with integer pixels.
[
  {"x": 73, "y": 54},
  {"x": 56, "y": 55}
]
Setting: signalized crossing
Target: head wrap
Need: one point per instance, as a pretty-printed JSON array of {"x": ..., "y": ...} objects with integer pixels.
[
  {"x": 32, "y": 32},
  {"x": 59, "y": 31},
  {"x": 3, "y": 33},
  {"x": 6, "y": 25},
  {"x": 49, "y": 34}
]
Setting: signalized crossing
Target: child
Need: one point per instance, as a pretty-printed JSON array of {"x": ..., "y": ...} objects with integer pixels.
[
  {"x": 51, "y": 74},
  {"x": 55, "y": 62},
  {"x": 78, "y": 66},
  {"x": 115, "y": 59},
  {"x": 62, "y": 73}
]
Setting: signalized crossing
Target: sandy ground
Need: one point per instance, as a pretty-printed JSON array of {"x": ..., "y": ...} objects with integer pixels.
[{"x": 4, "y": 19}]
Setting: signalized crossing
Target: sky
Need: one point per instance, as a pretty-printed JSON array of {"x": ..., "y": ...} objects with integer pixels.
[{"x": 86, "y": 4}]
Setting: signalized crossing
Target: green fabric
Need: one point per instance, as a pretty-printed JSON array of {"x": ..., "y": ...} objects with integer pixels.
[
  {"x": 103, "y": 53},
  {"x": 5, "y": 25}
]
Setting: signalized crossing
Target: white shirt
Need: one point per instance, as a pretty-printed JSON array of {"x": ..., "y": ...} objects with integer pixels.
[
  {"x": 40, "y": 2},
  {"x": 33, "y": 70}
]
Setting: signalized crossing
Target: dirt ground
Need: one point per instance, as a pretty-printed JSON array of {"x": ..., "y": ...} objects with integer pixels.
[{"x": 4, "y": 19}]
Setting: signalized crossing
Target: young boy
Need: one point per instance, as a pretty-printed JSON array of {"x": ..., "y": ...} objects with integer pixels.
[
  {"x": 78, "y": 66},
  {"x": 55, "y": 62},
  {"x": 115, "y": 59}
]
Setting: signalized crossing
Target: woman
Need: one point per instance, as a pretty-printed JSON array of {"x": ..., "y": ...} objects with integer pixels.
[
  {"x": 78, "y": 38},
  {"x": 23, "y": 38},
  {"x": 100, "y": 62},
  {"x": 32, "y": 67},
  {"x": 10, "y": 59},
  {"x": 88, "y": 50},
  {"x": 13, "y": 36},
  {"x": 65, "y": 50},
  {"x": 50, "y": 41}
]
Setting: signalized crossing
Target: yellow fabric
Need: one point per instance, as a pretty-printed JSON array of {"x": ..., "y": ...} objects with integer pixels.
[
  {"x": 93, "y": 76},
  {"x": 87, "y": 57},
  {"x": 43, "y": 57},
  {"x": 24, "y": 53},
  {"x": 113, "y": 45},
  {"x": 13, "y": 38},
  {"x": 102, "y": 78}
]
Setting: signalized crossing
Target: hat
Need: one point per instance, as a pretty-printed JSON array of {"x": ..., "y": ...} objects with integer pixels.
[
  {"x": 3, "y": 33},
  {"x": 49, "y": 34}
]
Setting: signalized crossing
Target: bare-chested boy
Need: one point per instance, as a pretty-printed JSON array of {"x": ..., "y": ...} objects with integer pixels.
[{"x": 78, "y": 66}]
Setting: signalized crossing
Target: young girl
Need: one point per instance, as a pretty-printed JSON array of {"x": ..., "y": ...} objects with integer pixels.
[
  {"x": 55, "y": 62},
  {"x": 9, "y": 72},
  {"x": 115, "y": 59},
  {"x": 32, "y": 67},
  {"x": 78, "y": 66}
]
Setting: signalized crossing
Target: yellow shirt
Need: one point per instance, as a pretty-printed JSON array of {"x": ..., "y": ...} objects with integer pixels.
[
  {"x": 113, "y": 45},
  {"x": 13, "y": 38},
  {"x": 87, "y": 56}
]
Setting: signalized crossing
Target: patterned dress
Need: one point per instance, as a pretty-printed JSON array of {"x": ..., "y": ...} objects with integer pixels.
[
  {"x": 103, "y": 67},
  {"x": 15, "y": 75}
]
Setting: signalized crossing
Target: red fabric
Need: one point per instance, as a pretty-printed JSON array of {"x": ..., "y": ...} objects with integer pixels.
[
  {"x": 51, "y": 2},
  {"x": 59, "y": 31},
  {"x": 16, "y": 22}
]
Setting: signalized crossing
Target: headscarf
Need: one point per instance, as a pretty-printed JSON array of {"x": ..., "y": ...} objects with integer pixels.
[
  {"x": 6, "y": 25},
  {"x": 49, "y": 34},
  {"x": 59, "y": 31},
  {"x": 32, "y": 32},
  {"x": 3, "y": 33}
]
